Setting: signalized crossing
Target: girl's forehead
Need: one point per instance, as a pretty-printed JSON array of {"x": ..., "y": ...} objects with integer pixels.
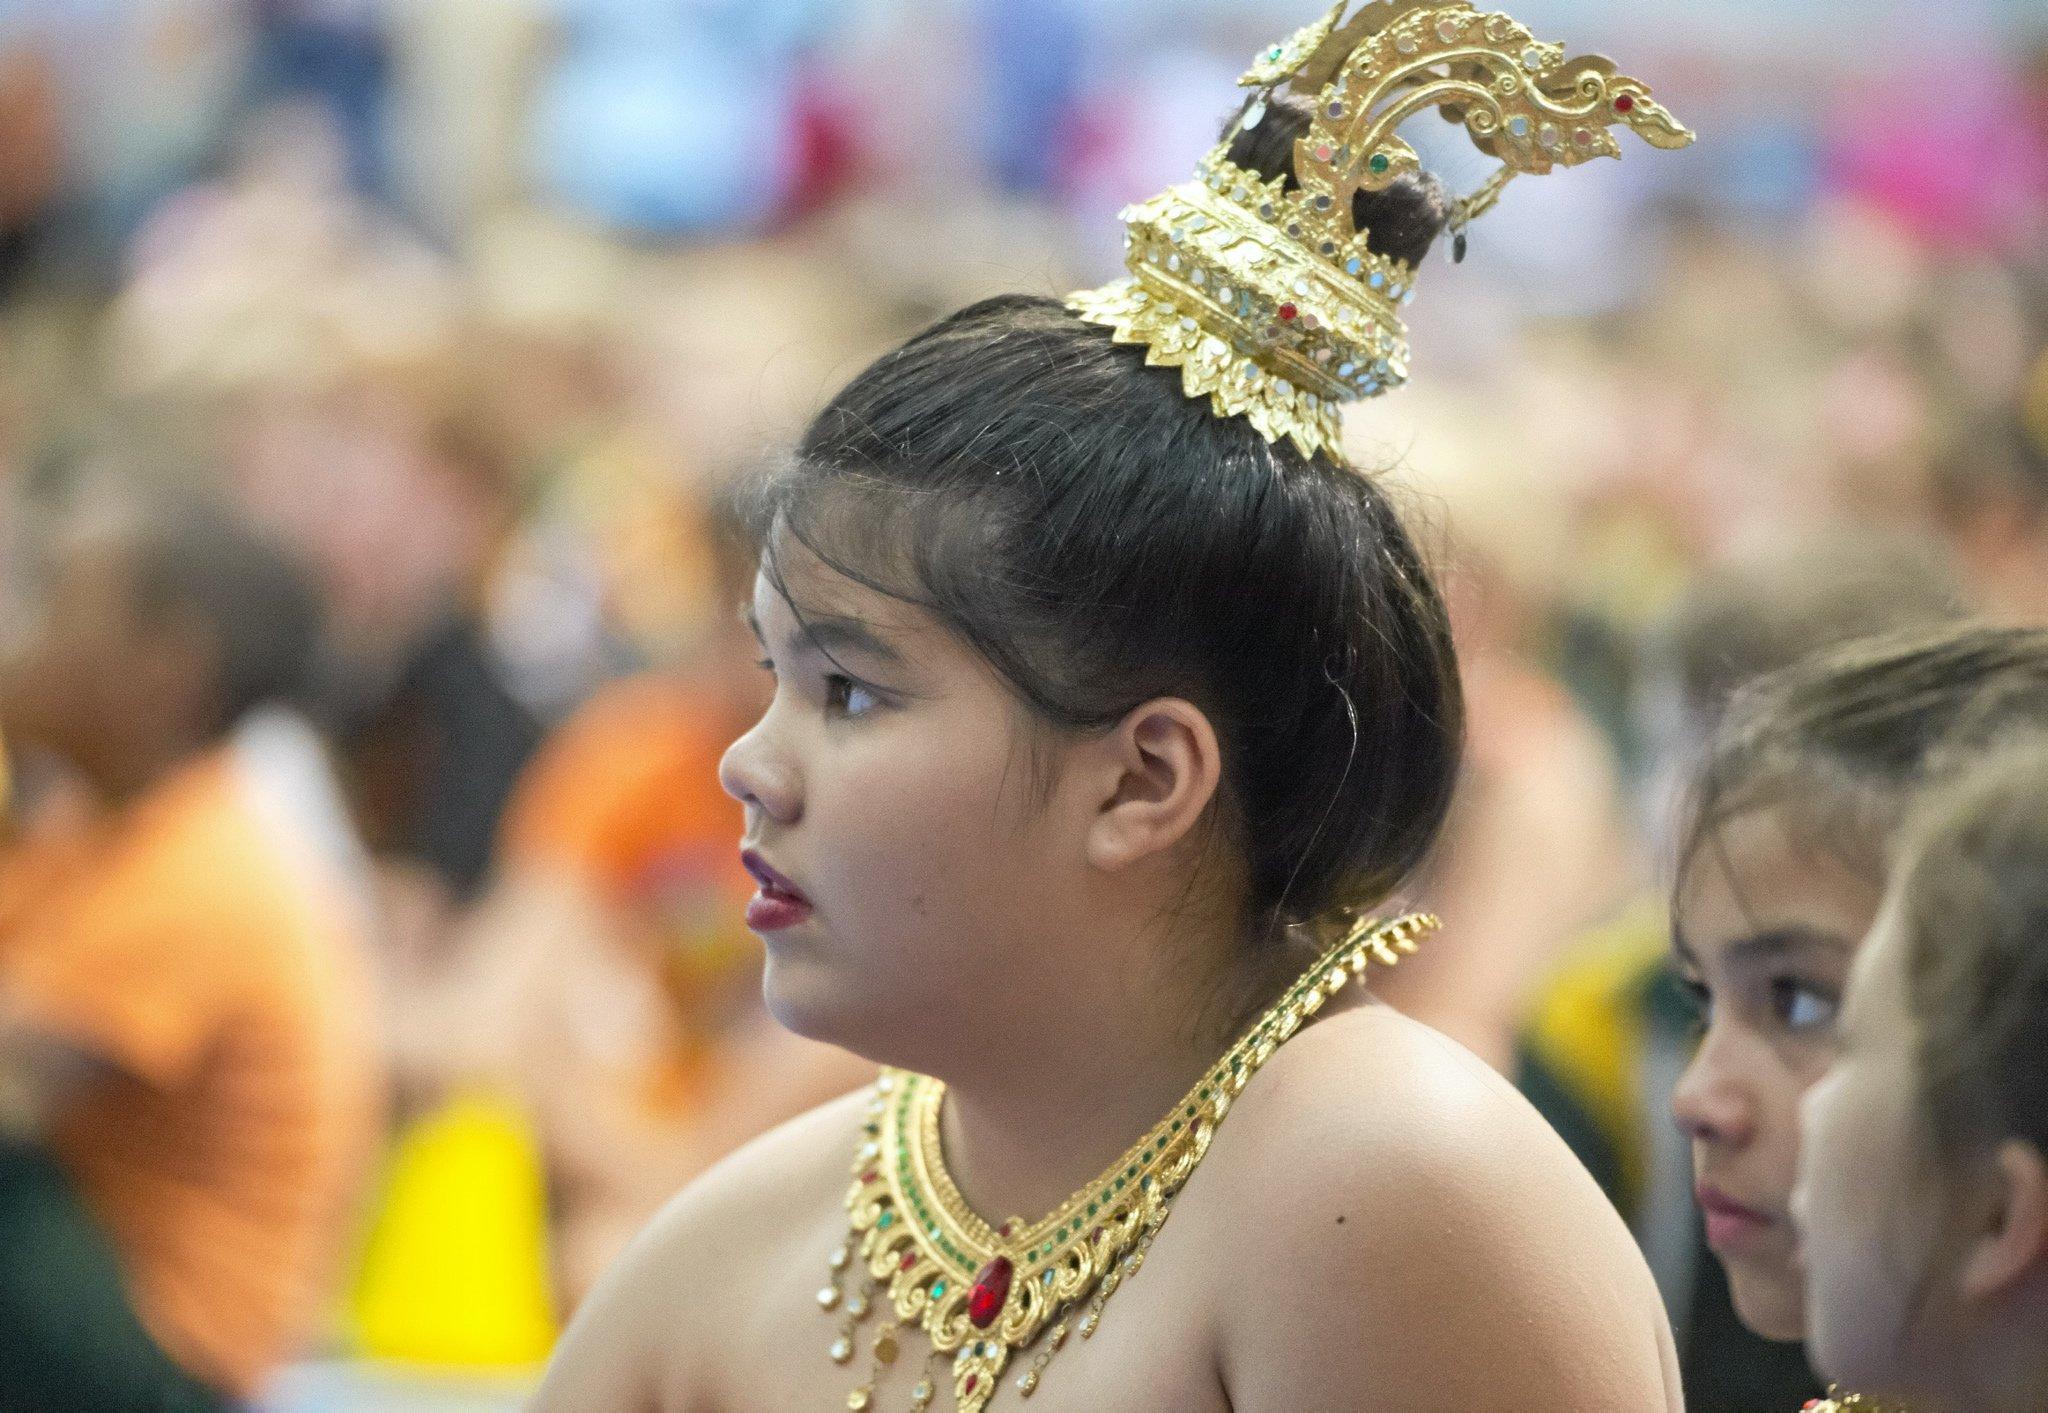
[
  {"x": 797, "y": 585},
  {"x": 1755, "y": 851},
  {"x": 1758, "y": 875},
  {"x": 803, "y": 601}
]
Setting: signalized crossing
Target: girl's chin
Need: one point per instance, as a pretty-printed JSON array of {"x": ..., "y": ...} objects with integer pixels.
[
  {"x": 1770, "y": 1304},
  {"x": 810, "y": 998},
  {"x": 844, "y": 1005}
]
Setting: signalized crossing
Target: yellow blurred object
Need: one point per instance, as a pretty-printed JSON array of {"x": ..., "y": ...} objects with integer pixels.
[
  {"x": 455, "y": 1273},
  {"x": 2033, "y": 406}
]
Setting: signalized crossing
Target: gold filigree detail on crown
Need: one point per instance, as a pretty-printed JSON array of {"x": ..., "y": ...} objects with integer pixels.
[{"x": 1270, "y": 301}]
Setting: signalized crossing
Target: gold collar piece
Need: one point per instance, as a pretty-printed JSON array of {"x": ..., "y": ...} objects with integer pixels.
[{"x": 981, "y": 1292}]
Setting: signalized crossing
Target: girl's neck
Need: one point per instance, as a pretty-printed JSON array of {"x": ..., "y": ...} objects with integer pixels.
[
  {"x": 2005, "y": 1373},
  {"x": 1023, "y": 1132},
  {"x": 2019, "y": 1385}
]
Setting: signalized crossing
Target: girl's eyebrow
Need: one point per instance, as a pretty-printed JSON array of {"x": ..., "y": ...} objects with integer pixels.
[
  {"x": 828, "y": 634},
  {"x": 1778, "y": 942}
]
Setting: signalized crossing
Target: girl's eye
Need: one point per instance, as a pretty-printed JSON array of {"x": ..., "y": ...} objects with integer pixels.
[
  {"x": 1702, "y": 1001},
  {"x": 846, "y": 697},
  {"x": 1802, "y": 1007}
]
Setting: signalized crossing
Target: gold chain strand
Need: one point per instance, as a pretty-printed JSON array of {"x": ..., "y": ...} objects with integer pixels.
[{"x": 982, "y": 1292}]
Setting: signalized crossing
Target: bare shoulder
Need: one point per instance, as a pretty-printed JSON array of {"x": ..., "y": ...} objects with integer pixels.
[
  {"x": 634, "y": 1342},
  {"x": 1443, "y": 1248}
]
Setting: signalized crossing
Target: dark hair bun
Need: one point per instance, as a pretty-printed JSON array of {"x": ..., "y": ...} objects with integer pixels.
[{"x": 1401, "y": 223}]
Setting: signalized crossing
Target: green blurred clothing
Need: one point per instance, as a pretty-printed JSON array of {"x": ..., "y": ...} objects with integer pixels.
[{"x": 70, "y": 1342}]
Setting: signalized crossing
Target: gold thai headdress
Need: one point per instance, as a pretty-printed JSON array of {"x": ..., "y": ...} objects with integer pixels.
[{"x": 1269, "y": 300}]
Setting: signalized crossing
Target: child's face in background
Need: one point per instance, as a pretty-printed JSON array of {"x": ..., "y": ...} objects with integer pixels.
[
  {"x": 1873, "y": 1218},
  {"x": 1765, "y": 933},
  {"x": 892, "y": 784}
]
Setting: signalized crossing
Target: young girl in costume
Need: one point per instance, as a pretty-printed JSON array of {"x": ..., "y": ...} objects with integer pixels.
[
  {"x": 1108, "y": 700},
  {"x": 1923, "y": 1196},
  {"x": 1782, "y": 867}
]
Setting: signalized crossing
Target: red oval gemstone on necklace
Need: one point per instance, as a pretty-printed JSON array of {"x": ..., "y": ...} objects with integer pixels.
[
  {"x": 1288, "y": 311},
  {"x": 991, "y": 1290},
  {"x": 1623, "y": 103}
]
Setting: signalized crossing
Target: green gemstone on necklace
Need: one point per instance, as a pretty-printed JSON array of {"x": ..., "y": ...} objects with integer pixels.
[
  {"x": 938, "y": 1289},
  {"x": 886, "y": 1220}
]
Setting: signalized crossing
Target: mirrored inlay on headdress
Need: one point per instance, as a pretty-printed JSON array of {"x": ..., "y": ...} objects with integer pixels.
[{"x": 1269, "y": 300}]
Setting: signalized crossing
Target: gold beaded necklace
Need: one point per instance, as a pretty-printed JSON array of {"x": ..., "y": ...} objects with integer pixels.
[{"x": 982, "y": 1292}]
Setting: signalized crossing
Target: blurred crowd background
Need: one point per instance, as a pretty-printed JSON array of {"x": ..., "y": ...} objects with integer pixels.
[{"x": 370, "y": 378}]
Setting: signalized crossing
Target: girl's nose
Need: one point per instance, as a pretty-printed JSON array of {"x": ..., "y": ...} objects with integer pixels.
[
  {"x": 761, "y": 777},
  {"x": 1711, "y": 1103}
]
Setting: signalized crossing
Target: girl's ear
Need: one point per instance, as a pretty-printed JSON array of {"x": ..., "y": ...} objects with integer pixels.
[
  {"x": 2012, "y": 1245},
  {"x": 1161, "y": 768}
]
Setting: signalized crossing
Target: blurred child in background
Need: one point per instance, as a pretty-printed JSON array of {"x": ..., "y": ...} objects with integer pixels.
[
  {"x": 1782, "y": 863},
  {"x": 1923, "y": 1191},
  {"x": 1612, "y": 1029},
  {"x": 608, "y": 970},
  {"x": 188, "y": 1088}
]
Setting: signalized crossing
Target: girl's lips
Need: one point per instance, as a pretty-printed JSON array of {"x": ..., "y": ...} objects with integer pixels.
[
  {"x": 768, "y": 878},
  {"x": 1730, "y": 1225},
  {"x": 779, "y": 904},
  {"x": 772, "y": 912}
]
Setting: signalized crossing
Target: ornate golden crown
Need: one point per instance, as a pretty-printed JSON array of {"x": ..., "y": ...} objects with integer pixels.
[{"x": 1269, "y": 301}]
